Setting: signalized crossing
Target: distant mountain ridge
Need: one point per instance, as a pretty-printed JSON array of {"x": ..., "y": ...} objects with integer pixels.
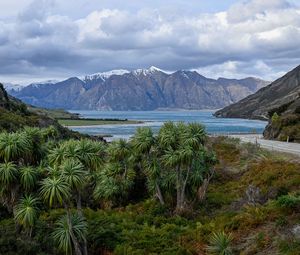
[
  {"x": 141, "y": 89},
  {"x": 279, "y": 103},
  {"x": 282, "y": 93}
]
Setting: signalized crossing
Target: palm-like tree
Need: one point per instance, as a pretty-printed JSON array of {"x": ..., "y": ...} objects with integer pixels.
[
  {"x": 90, "y": 153},
  {"x": 55, "y": 190},
  {"x": 144, "y": 144},
  {"x": 36, "y": 138},
  {"x": 8, "y": 184},
  {"x": 70, "y": 147},
  {"x": 143, "y": 140},
  {"x": 195, "y": 135},
  {"x": 14, "y": 146},
  {"x": 56, "y": 155},
  {"x": 50, "y": 133},
  {"x": 119, "y": 153},
  {"x": 168, "y": 135},
  {"x": 153, "y": 172},
  {"x": 66, "y": 230},
  {"x": 8, "y": 173},
  {"x": 112, "y": 185},
  {"x": 28, "y": 177},
  {"x": 181, "y": 147},
  {"x": 26, "y": 212},
  {"x": 117, "y": 176},
  {"x": 119, "y": 150},
  {"x": 73, "y": 173},
  {"x": 77, "y": 162}
]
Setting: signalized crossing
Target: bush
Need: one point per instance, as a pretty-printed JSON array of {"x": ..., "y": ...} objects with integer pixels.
[
  {"x": 289, "y": 201},
  {"x": 289, "y": 247},
  {"x": 220, "y": 244},
  {"x": 138, "y": 229}
]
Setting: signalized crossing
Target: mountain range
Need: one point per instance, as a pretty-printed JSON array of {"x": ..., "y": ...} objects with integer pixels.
[{"x": 141, "y": 89}]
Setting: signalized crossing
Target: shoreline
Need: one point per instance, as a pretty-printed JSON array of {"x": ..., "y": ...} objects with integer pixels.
[{"x": 87, "y": 123}]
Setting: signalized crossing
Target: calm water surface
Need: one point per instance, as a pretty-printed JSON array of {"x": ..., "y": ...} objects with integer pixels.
[{"x": 155, "y": 119}]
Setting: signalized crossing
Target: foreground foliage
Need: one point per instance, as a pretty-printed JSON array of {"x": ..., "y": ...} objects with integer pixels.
[{"x": 164, "y": 194}]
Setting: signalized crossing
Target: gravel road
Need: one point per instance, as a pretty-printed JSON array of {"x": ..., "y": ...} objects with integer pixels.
[{"x": 293, "y": 148}]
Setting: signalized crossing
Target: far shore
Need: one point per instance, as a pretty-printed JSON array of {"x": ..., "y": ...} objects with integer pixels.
[{"x": 95, "y": 122}]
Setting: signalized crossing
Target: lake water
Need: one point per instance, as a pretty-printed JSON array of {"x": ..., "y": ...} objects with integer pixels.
[{"x": 155, "y": 119}]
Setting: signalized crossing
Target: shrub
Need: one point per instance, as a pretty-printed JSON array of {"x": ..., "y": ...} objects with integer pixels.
[
  {"x": 220, "y": 244},
  {"x": 289, "y": 247},
  {"x": 275, "y": 118},
  {"x": 288, "y": 201}
]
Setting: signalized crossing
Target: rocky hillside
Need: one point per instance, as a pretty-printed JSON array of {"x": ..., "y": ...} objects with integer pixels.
[
  {"x": 282, "y": 93},
  {"x": 279, "y": 103},
  {"x": 143, "y": 89}
]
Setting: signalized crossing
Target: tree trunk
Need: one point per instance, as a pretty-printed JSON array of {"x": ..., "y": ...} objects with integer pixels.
[
  {"x": 85, "y": 250},
  {"x": 79, "y": 210},
  {"x": 79, "y": 207},
  {"x": 125, "y": 168},
  {"x": 179, "y": 205},
  {"x": 184, "y": 187},
  {"x": 202, "y": 190},
  {"x": 159, "y": 194},
  {"x": 201, "y": 194},
  {"x": 73, "y": 237}
]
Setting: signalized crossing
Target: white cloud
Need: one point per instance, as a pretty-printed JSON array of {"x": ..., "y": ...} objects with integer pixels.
[{"x": 257, "y": 38}]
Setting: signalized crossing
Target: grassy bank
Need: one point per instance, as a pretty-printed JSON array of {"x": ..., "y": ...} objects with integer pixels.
[{"x": 53, "y": 113}]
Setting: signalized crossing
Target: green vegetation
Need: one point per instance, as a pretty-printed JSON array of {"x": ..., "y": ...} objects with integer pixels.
[
  {"x": 91, "y": 122},
  {"x": 219, "y": 244},
  {"x": 175, "y": 193},
  {"x": 275, "y": 118},
  {"x": 14, "y": 115},
  {"x": 53, "y": 113},
  {"x": 284, "y": 124},
  {"x": 285, "y": 127}
]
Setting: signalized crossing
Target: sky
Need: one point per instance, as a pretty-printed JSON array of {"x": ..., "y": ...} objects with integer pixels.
[{"x": 57, "y": 39}]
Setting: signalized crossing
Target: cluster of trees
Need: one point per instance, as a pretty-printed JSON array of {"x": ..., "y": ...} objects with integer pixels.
[{"x": 39, "y": 172}]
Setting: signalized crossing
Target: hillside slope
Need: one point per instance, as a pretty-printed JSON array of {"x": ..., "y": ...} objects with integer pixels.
[
  {"x": 142, "y": 89},
  {"x": 279, "y": 103},
  {"x": 14, "y": 115},
  {"x": 284, "y": 92}
]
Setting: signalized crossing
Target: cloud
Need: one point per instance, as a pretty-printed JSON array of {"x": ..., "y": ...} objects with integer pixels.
[
  {"x": 250, "y": 10},
  {"x": 257, "y": 38}
]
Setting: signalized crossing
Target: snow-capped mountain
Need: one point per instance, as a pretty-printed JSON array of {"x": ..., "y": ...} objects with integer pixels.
[
  {"x": 104, "y": 75},
  {"x": 12, "y": 87},
  {"x": 141, "y": 89},
  {"x": 41, "y": 83},
  {"x": 148, "y": 71}
]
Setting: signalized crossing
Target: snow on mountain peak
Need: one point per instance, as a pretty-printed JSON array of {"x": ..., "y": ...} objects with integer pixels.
[
  {"x": 37, "y": 84},
  {"x": 12, "y": 87},
  {"x": 105, "y": 75},
  {"x": 145, "y": 72}
]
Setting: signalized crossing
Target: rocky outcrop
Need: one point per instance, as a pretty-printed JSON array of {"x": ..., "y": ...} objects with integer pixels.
[{"x": 143, "y": 89}]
